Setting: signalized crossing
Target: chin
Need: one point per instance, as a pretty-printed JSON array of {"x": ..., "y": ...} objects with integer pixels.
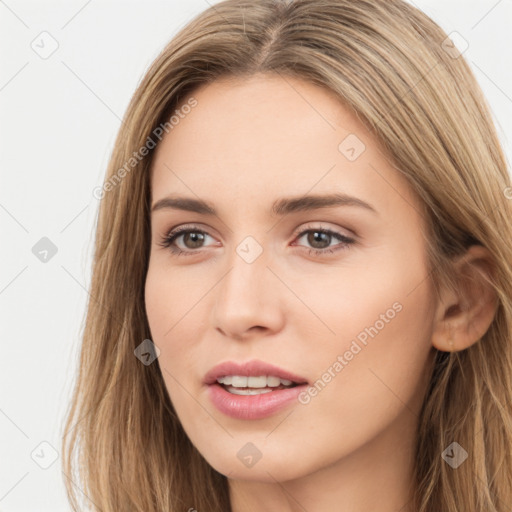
[{"x": 269, "y": 467}]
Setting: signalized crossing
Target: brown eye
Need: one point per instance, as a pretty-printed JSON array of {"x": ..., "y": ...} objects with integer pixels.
[
  {"x": 193, "y": 239},
  {"x": 320, "y": 240},
  {"x": 190, "y": 240}
]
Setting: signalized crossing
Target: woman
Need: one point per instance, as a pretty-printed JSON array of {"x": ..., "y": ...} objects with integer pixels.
[{"x": 302, "y": 283}]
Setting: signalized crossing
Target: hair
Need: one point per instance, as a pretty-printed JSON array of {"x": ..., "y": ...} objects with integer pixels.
[{"x": 123, "y": 446}]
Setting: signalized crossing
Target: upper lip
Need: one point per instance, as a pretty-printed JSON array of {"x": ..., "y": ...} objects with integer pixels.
[{"x": 253, "y": 368}]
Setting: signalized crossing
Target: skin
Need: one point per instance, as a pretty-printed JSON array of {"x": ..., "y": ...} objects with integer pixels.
[{"x": 350, "y": 447}]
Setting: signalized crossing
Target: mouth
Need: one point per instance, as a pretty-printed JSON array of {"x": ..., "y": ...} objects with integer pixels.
[{"x": 252, "y": 390}]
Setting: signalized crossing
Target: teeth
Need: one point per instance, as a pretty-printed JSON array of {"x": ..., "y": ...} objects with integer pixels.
[
  {"x": 257, "y": 382},
  {"x": 261, "y": 382},
  {"x": 239, "y": 381},
  {"x": 273, "y": 382},
  {"x": 248, "y": 391}
]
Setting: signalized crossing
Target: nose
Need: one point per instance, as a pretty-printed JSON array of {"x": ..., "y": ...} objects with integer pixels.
[{"x": 248, "y": 300}]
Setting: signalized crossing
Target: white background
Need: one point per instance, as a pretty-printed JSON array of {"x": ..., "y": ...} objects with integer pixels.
[{"x": 58, "y": 120}]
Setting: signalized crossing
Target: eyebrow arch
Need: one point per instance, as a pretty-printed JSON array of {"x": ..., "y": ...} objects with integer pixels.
[{"x": 280, "y": 207}]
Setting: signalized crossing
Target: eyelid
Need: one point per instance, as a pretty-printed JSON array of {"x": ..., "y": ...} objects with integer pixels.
[
  {"x": 192, "y": 227},
  {"x": 345, "y": 232}
]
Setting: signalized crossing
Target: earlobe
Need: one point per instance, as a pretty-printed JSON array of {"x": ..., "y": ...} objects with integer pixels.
[{"x": 464, "y": 315}]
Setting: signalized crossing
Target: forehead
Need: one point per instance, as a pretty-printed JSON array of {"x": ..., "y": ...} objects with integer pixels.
[{"x": 249, "y": 141}]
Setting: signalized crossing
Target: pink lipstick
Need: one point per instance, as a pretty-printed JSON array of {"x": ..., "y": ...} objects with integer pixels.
[{"x": 252, "y": 390}]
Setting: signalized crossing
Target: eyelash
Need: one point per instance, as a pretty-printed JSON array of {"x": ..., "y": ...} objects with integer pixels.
[{"x": 168, "y": 240}]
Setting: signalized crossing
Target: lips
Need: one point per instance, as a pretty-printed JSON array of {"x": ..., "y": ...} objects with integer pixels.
[
  {"x": 252, "y": 368},
  {"x": 236, "y": 389}
]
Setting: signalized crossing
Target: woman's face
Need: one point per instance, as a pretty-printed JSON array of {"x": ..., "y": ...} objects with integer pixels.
[{"x": 331, "y": 294}]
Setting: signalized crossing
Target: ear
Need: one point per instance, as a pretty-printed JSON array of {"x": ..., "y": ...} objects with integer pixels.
[{"x": 464, "y": 315}]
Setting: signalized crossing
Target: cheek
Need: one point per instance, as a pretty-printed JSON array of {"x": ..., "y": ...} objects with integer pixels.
[
  {"x": 171, "y": 299},
  {"x": 377, "y": 360},
  {"x": 380, "y": 372},
  {"x": 159, "y": 302},
  {"x": 176, "y": 306},
  {"x": 175, "y": 311},
  {"x": 371, "y": 327}
]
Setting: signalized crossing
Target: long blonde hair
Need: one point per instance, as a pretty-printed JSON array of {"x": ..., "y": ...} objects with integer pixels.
[{"x": 123, "y": 447}]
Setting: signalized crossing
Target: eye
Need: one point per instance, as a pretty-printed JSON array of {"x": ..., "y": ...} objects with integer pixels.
[
  {"x": 320, "y": 240},
  {"x": 191, "y": 239}
]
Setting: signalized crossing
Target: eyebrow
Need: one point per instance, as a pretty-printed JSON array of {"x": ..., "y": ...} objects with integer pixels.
[{"x": 280, "y": 207}]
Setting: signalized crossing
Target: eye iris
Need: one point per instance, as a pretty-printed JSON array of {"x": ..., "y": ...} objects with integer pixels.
[
  {"x": 195, "y": 237},
  {"x": 317, "y": 236}
]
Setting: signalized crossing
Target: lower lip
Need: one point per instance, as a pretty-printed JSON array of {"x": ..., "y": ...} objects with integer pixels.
[{"x": 252, "y": 407}]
